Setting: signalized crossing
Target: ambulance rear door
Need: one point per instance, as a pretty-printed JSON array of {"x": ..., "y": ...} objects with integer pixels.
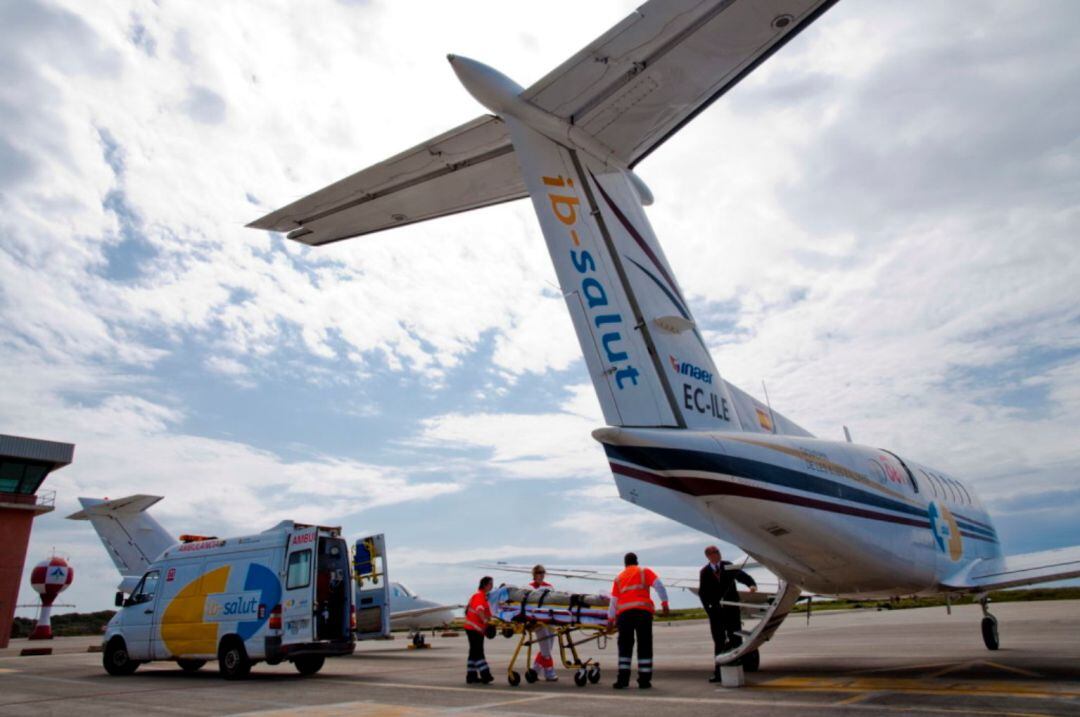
[
  {"x": 372, "y": 588},
  {"x": 298, "y": 587}
]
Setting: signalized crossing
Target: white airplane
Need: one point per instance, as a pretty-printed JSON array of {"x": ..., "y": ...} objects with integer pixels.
[
  {"x": 134, "y": 538},
  {"x": 409, "y": 611},
  {"x": 827, "y": 517}
]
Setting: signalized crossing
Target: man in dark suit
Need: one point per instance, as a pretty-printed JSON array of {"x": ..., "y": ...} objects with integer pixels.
[{"x": 716, "y": 584}]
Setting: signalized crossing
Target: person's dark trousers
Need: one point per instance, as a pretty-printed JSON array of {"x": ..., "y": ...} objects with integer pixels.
[
  {"x": 635, "y": 624},
  {"x": 478, "y": 670},
  {"x": 719, "y": 635}
]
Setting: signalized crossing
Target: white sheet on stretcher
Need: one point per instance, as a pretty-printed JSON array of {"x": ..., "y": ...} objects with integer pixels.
[{"x": 510, "y": 612}]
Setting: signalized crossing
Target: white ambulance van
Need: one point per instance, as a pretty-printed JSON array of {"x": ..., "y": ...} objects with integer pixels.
[{"x": 283, "y": 594}]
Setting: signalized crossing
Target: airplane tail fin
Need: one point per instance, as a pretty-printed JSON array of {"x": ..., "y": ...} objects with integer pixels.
[
  {"x": 132, "y": 537},
  {"x": 646, "y": 357}
]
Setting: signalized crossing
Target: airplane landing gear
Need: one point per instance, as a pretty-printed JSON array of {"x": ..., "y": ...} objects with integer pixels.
[{"x": 989, "y": 626}]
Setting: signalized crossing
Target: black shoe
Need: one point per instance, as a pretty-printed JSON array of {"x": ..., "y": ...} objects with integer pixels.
[
  {"x": 471, "y": 678},
  {"x": 620, "y": 685},
  {"x": 715, "y": 678},
  {"x": 486, "y": 678},
  {"x": 644, "y": 684}
]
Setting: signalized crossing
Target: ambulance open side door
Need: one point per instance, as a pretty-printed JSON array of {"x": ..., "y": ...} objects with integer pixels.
[
  {"x": 372, "y": 588},
  {"x": 298, "y": 587}
]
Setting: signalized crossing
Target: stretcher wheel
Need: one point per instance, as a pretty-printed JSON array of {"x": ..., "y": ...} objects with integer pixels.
[
  {"x": 508, "y": 632},
  {"x": 514, "y": 679},
  {"x": 531, "y": 676},
  {"x": 580, "y": 677},
  {"x": 594, "y": 674}
]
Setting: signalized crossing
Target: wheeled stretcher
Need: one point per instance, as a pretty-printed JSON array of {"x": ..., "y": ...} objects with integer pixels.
[{"x": 571, "y": 619}]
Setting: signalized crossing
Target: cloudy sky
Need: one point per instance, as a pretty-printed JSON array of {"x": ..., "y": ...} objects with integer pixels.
[{"x": 883, "y": 223}]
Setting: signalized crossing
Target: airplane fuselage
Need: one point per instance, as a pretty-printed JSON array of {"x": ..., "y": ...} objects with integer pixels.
[{"x": 834, "y": 518}]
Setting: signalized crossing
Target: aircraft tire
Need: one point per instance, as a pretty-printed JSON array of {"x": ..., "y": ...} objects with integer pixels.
[
  {"x": 309, "y": 665},
  {"x": 191, "y": 666},
  {"x": 990, "y": 632},
  {"x": 233, "y": 660},
  {"x": 116, "y": 660}
]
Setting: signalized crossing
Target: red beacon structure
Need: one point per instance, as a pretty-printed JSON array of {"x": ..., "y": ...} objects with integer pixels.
[{"x": 49, "y": 578}]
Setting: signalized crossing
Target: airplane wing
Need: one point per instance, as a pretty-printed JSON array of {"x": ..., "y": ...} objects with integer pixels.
[
  {"x": 631, "y": 89},
  {"x": 421, "y": 611},
  {"x": 1016, "y": 570},
  {"x": 683, "y": 583}
]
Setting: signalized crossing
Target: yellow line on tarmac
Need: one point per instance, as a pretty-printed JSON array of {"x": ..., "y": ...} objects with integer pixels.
[
  {"x": 723, "y": 697},
  {"x": 919, "y": 686}
]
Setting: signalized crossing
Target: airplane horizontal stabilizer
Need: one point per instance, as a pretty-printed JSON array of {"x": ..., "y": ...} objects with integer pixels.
[
  {"x": 1016, "y": 570},
  {"x": 630, "y": 90}
]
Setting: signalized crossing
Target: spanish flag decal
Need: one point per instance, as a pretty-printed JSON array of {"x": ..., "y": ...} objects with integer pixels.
[{"x": 764, "y": 420}]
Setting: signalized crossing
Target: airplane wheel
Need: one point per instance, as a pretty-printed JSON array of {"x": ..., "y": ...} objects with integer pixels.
[
  {"x": 990, "y": 632},
  {"x": 594, "y": 674},
  {"x": 751, "y": 661},
  {"x": 531, "y": 676},
  {"x": 514, "y": 679},
  {"x": 580, "y": 677},
  {"x": 191, "y": 666}
]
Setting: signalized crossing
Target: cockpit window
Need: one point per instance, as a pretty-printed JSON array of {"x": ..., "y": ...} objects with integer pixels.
[{"x": 405, "y": 590}]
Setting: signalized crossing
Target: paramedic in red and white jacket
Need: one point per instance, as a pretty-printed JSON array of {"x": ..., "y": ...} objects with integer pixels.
[
  {"x": 544, "y": 664},
  {"x": 477, "y": 614},
  {"x": 632, "y": 610}
]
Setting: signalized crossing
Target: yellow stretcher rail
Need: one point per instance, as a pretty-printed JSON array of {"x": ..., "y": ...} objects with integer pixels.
[{"x": 585, "y": 671}]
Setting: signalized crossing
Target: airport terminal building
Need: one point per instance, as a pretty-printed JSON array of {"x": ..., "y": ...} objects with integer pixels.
[{"x": 24, "y": 465}]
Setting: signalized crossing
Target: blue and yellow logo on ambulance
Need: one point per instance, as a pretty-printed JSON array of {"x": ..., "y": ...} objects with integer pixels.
[
  {"x": 191, "y": 621},
  {"x": 946, "y": 531}
]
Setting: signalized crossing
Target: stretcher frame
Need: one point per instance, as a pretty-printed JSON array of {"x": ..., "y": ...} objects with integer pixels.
[{"x": 585, "y": 671}]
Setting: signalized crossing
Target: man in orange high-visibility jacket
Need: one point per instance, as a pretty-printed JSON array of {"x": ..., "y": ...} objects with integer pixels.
[
  {"x": 632, "y": 610},
  {"x": 477, "y": 614}
]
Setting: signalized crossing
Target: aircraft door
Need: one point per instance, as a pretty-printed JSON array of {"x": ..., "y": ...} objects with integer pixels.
[
  {"x": 372, "y": 588},
  {"x": 297, "y": 599}
]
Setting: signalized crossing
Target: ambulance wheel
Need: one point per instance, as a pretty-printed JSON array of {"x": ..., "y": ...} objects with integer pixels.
[
  {"x": 990, "y": 632},
  {"x": 531, "y": 676},
  {"x": 514, "y": 679},
  {"x": 116, "y": 660},
  {"x": 594, "y": 674},
  {"x": 309, "y": 665},
  {"x": 191, "y": 666},
  {"x": 233, "y": 660},
  {"x": 580, "y": 678},
  {"x": 751, "y": 661}
]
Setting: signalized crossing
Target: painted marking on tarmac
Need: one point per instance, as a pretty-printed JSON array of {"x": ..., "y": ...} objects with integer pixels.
[
  {"x": 915, "y": 685},
  {"x": 724, "y": 697}
]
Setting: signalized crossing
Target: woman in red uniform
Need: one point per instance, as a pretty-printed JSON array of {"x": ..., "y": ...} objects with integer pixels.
[{"x": 477, "y": 614}]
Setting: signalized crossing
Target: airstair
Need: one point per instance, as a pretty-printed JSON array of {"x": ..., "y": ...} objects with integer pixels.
[{"x": 760, "y": 621}]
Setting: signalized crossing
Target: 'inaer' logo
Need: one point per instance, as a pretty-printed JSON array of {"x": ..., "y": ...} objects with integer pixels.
[{"x": 686, "y": 368}]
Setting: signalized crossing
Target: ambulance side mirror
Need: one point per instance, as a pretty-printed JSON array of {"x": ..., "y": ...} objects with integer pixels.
[{"x": 119, "y": 601}]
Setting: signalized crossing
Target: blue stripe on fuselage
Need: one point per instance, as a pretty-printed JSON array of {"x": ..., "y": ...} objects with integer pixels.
[{"x": 674, "y": 459}]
